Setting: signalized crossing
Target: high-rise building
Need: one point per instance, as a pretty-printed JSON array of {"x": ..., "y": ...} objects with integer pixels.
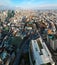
[{"x": 39, "y": 53}]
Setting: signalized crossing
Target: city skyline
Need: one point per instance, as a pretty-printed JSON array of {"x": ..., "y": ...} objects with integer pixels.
[{"x": 40, "y": 4}]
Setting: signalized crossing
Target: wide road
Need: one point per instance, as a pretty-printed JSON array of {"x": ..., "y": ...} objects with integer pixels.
[
  {"x": 24, "y": 47},
  {"x": 19, "y": 52}
]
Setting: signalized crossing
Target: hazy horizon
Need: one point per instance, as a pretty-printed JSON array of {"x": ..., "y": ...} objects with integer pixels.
[{"x": 29, "y": 4}]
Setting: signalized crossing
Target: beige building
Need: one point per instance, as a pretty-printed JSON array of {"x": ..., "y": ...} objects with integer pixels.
[{"x": 53, "y": 44}]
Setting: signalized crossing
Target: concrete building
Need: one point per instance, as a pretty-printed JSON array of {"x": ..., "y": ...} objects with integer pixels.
[
  {"x": 39, "y": 53},
  {"x": 53, "y": 42}
]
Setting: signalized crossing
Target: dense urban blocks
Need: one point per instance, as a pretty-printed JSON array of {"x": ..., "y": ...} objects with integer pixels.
[{"x": 28, "y": 37}]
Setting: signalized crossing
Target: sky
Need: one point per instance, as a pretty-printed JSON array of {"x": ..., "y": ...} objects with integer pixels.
[{"x": 30, "y": 3}]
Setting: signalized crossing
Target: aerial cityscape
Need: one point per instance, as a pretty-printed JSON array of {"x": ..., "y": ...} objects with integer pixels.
[{"x": 28, "y": 32}]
